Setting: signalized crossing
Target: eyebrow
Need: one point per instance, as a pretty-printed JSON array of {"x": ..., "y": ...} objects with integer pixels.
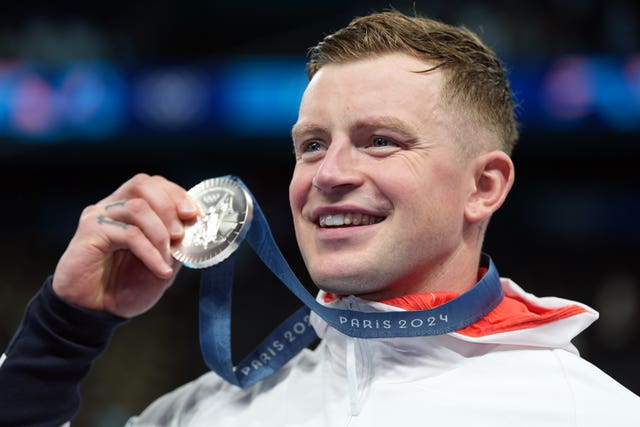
[
  {"x": 385, "y": 122},
  {"x": 302, "y": 128}
]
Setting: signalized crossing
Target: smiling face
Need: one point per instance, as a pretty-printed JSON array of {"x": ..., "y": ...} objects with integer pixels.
[{"x": 380, "y": 186}]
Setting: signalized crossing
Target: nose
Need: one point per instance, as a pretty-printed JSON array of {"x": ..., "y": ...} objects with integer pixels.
[{"x": 339, "y": 168}]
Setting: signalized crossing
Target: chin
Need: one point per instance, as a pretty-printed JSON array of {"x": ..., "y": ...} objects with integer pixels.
[{"x": 347, "y": 284}]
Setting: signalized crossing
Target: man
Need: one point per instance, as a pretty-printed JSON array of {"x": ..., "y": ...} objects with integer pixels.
[{"x": 402, "y": 155}]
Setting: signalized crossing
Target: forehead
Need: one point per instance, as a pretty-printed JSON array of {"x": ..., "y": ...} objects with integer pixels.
[{"x": 393, "y": 85}]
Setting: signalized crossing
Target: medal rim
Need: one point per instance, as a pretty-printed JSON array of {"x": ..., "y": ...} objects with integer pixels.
[{"x": 214, "y": 256}]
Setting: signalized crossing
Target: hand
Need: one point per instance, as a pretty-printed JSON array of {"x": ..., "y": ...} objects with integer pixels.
[{"x": 119, "y": 259}]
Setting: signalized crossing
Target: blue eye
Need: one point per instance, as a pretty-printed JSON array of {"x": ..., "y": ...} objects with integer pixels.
[
  {"x": 312, "y": 146},
  {"x": 310, "y": 150},
  {"x": 379, "y": 141}
]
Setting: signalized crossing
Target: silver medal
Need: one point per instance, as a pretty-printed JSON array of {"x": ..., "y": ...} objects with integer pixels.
[{"x": 226, "y": 210}]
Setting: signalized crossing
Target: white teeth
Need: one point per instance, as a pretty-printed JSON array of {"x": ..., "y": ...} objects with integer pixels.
[
  {"x": 357, "y": 219},
  {"x": 338, "y": 220}
]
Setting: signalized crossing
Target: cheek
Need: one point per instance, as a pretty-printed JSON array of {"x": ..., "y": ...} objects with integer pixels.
[
  {"x": 298, "y": 189},
  {"x": 450, "y": 178},
  {"x": 426, "y": 193}
]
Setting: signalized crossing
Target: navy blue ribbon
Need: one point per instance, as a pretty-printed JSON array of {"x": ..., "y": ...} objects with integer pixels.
[{"x": 295, "y": 333}]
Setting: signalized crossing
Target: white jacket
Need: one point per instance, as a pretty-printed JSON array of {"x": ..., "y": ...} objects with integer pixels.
[{"x": 527, "y": 376}]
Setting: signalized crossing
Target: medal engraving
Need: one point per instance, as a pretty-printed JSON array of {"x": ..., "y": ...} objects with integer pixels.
[{"x": 226, "y": 210}]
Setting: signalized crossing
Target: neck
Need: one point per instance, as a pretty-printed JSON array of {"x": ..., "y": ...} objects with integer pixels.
[{"x": 455, "y": 273}]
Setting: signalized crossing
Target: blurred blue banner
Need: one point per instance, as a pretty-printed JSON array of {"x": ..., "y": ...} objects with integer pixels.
[{"x": 257, "y": 97}]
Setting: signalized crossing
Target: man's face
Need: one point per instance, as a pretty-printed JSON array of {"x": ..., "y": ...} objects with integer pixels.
[{"x": 379, "y": 188}]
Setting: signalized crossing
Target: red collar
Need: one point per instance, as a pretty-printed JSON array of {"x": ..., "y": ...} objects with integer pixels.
[{"x": 511, "y": 314}]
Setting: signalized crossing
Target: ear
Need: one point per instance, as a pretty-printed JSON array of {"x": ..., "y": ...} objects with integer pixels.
[{"x": 493, "y": 175}]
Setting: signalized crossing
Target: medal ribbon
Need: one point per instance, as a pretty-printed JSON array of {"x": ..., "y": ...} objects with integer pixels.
[{"x": 295, "y": 333}]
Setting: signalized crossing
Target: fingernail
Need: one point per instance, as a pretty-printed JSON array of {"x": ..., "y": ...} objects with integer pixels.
[
  {"x": 176, "y": 228},
  {"x": 188, "y": 207},
  {"x": 166, "y": 269}
]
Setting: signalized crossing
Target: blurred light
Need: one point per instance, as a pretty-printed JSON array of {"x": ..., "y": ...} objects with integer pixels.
[
  {"x": 261, "y": 97},
  {"x": 582, "y": 92},
  {"x": 258, "y": 97},
  {"x": 173, "y": 99},
  {"x": 31, "y": 106},
  {"x": 44, "y": 104},
  {"x": 91, "y": 98},
  {"x": 631, "y": 72},
  {"x": 615, "y": 102},
  {"x": 568, "y": 94}
]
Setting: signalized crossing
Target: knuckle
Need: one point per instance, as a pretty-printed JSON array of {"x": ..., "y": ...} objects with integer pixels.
[
  {"x": 137, "y": 205},
  {"x": 139, "y": 178},
  {"x": 157, "y": 181},
  {"x": 134, "y": 232},
  {"x": 163, "y": 240},
  {"x": 88, "y": 213},
  {"x": 136, "y": 184},
  {"x": 131, "y": 186}
]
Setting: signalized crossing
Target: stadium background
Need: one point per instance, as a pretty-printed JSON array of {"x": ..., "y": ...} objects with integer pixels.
[{"x": 91, "y": 93}]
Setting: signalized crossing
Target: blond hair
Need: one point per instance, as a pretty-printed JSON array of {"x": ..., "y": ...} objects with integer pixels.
[{"x": 475, "y": 79}]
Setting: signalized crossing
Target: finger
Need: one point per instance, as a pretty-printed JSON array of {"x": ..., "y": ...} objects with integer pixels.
[
  {"x": 170, "y": 201},
  {"x": 137, "y": 213},
  {"x": 116, "y": 235},
  {"x": 186, "y": 207}
]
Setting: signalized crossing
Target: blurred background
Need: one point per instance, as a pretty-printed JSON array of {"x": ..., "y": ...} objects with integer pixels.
[{"x": 91, "y": 93}]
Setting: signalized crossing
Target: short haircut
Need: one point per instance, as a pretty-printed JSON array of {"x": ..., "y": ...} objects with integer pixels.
[{"x": 475, "y": 79}]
